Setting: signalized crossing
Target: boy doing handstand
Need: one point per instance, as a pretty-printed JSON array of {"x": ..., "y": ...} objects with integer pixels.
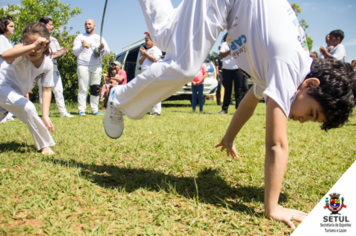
[{"x": 267, "y": 42}]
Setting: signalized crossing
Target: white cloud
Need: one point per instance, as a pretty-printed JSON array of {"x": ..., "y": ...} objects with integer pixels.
[
  {"x": 5, "y": 7},
  {"x": 350, "y": 43},
  {"x": 349, "y": 6}
]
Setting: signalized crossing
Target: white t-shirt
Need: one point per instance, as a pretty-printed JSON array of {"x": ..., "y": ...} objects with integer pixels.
[
  {"x": 85, "y": 55},
  {"x": 22, "y": 75},
  {"x": 54, "y": 45},
  {"x": 339, "y": 52},
  {"x": 156, "y": 53},
  {"x": 228, "y": 61},
  {"x": 5, "y": 44},
  {"x": 271, "y": 46}
]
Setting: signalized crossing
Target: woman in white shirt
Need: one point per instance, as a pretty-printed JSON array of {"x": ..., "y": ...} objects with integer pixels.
[
  {"x": 57, "y": 89},
  {"x": 7, "y": 28}
]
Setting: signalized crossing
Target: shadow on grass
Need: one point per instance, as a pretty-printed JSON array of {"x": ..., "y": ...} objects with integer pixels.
[
  {"x": 17, "y": 147},
  {"x": 207, "y": 188}
]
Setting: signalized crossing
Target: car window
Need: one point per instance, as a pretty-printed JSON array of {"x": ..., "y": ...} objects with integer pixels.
[
  {"x": 210, "y": 67},
  {"x": 121, "y": 57}
]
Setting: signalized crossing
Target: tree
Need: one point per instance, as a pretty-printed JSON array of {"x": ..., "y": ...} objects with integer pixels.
[
  {"x": 212, "y": 55},
  {"x": 303, "y": 24},
  {"x": 33, "y": 10}
]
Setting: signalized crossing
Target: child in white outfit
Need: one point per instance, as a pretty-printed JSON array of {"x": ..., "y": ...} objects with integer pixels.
[
  {"x": 267, "y": 42},
  {"x": 29, "y": 63}
]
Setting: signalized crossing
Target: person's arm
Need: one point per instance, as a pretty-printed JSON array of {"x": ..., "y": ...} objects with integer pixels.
[
  {"x": 78, "y": 46},
  {"x": 118, "y": 79},
  {"x": 325, "y": 53},
  {"x": 10, "y": 55},
  {"x": 243, "y": 113},
  {"x": 224, "y": 54},
  {"x": 143, "y": 55},
  {"x": 203, "y": 78},
  {"x": 46, "y": 98},
  {"x": 105, "y": 48},
  {"x": 275, "y": 165}
]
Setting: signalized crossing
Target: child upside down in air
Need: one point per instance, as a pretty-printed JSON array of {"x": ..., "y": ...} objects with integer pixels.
[{"x": 267, "y": 42}]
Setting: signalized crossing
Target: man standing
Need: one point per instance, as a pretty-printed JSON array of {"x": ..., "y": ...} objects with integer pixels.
[
  {"x": 149, "y": 56},
  {"x": 337, "y": 50},
  {"x": 57, "y": 89},
  {"x": 89, "y": 67},
  {"x": 218, "y": 69},
  {"x": 231, "y": 74}
]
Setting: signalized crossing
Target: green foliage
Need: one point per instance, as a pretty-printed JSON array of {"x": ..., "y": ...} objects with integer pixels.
[
  {"x": 33, "y": 10},
  {"x": 212, "y": 55},
  {"x": 303, "y": 24}
]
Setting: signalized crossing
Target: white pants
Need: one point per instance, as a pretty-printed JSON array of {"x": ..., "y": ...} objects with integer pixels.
[
  {"x": 12, "y": 101},
  {"x": 87, "y": 76},
  {"x": 157, "y": 108},
  {"x": 57, "y": 90},
  {"x": 187, "y": 34}
]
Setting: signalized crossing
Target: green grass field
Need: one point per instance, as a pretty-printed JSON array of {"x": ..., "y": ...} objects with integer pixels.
[{"x": 162, "y": 177}]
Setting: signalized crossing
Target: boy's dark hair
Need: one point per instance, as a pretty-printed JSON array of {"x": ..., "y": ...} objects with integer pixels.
[
  {"x": 338, "y": 34},
  {"x": 336, "y": 92},
  {"x": 37, "y": 28},
  {"x": 45, "y": 20},
  {"x": 4, "y": 22}
]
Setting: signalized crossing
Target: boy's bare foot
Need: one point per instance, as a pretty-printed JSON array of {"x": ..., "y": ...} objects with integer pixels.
[
  {"x": 47, "y": 151},
  {"x": 287, "y": 215}
]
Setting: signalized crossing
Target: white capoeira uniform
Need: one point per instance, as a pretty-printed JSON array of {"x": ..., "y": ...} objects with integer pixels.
[
  {"x": 5, "y": 44},
  {"x": 157, "y": 54},
  {"x": 57, "y": 89},
  {"x": 15, "y": 82},
  {"x": 265, "y": 39},
  {"x": 89, "y": 69}
]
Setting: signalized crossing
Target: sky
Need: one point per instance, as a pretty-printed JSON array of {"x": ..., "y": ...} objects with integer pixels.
[{"x": 124, "y": 22}]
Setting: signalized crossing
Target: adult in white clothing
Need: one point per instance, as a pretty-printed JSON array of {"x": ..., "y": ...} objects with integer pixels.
[
  {"x": 150, "y": 55},
  {"x": 57, "y": 89},
  {"x": 336, "y": 50},
  {"x": 7, "y": 28},
  {"x": 89, "y": 67}
]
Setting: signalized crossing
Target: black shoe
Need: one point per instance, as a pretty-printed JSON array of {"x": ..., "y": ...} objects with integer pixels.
[
  {"x": 155, "y": 114},
  {"x": 219, "y": 103},
  {"x": 232, "y": 103},
  {"x": 222, "y": 112}
]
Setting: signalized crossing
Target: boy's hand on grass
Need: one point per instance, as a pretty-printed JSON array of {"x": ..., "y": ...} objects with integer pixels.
[
  {"x": 229, "y": 146},
  {"x": 48, "y": 123},
  {"x": 287, "y": 215}
]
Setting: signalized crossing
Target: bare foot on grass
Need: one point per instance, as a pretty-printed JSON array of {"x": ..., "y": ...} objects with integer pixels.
[{"x": 47, "y": 151}]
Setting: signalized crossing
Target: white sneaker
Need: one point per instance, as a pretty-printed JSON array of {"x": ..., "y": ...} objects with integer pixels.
[
  {"x": 113, "y": 120},
  {"x": 66, "y": 114}
]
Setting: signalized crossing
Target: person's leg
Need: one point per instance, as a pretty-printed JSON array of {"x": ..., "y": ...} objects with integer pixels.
[
  {"x": 158, "y": 108},
  {"x": 157, "y": 13},
  {"x": 23, "y": 109},
  {"x": 95, "y": 79},
  {"x": 57, "y": 90},
  {"x": 227, "y": 83},
  {"x": 201, "y": 97},
  {"x": 83, "y": 81},
  {"x": 194, "y": 97},
  {"x": 192, "y": 23},
  {"x": 238, "y": 79},
  {"x": 218, "y": 92},
  {"x": 39, "y": 83}
]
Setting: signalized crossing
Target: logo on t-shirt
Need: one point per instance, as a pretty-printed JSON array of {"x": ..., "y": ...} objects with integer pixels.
[
  {"x": 38, "y": 77},
  {"x": 302, "y": 37},
  {"x": 238, "y": 46}
]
